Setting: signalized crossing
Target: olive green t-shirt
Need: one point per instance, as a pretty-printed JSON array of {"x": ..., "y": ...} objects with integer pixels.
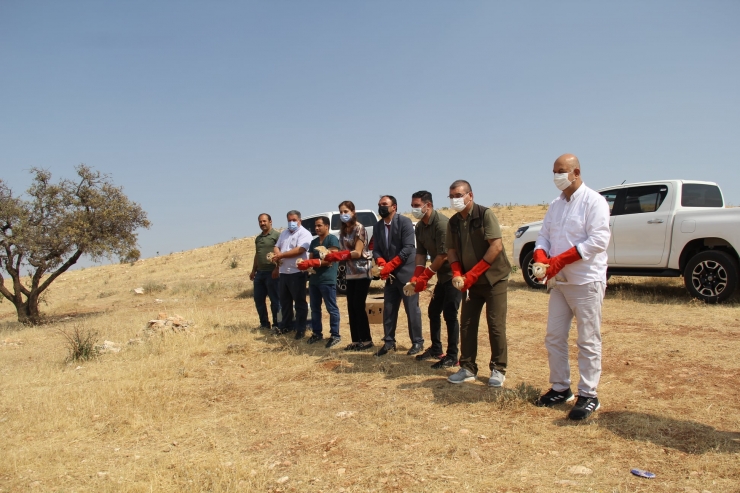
[
  {"x": 500, "y": 268},
  {"x": 430, "y": 240},
  {"x": 264, "y": 244}
]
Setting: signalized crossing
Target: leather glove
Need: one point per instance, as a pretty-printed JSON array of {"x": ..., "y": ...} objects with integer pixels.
[
  {"x": 417, "y": 272},
  {"x": 458, "y": 281},
  {"x": 338, "y": 256},
  {"x": 423, "y": 279},
  {"x": 390, "y": 267},
  {"x": 307, "y": 264},
  {"x": 472, "y": 276},
  {"x": 559, "y": 261}
]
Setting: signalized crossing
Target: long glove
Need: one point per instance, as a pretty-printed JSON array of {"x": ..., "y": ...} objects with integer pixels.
[
  {"x": 559, "y": 261},
  {"x": 540, "y": 257},
  {"x": 471, "y": 277},
  {"x": 307, "y": 264},
  {"x": 457, "y": 277},
  {"x": 540, "y": 263},
  {"x": 421, "y": 281},
  {"x": 338, "y": 256},
  {"x": 417, "y": 272},
  {"x": 390, "y": 267}
]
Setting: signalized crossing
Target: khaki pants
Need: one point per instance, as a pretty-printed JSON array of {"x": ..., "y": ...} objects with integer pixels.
[
  {"x": 584, "y": 302},
  {"x": 494, "y": 297}
]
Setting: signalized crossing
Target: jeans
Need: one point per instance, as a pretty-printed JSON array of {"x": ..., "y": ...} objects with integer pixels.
[
  {"x": 584, "y": 302},
  {"x": 264, "y": 286},
  {"x": 393, "y": 294},
  {"x": 293, "y": 290},
  {"x": 445, "y": 300},
  {"x": 494, "y": 297},
  {"x": 359, "y": 326},
  {"x": 327, "y": 293}
]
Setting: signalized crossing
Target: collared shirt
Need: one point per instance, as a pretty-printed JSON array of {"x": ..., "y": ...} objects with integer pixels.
[
  {"x": 582, "y": 222},
  {"x": 288, "y": 241},
  {"x": 430, "y": 240},
  {"x": 387, "y": 231},
  {"x": 265, "y": 243}
]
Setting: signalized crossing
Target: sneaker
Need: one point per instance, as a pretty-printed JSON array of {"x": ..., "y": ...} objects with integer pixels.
[
  {"x": 446, "y": 362},
  {"x": 497, "y": 379},
  {"x": 333, "y": 341},
  {"x": 313, "y": 338},
  {"x": 461, "y": 376},
  {"x": 585, "y": 406},
  {"x": 553, "y": 398},
  {"x": 429, "y": 354}
]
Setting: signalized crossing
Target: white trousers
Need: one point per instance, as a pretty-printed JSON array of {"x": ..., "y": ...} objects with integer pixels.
[{"x": 584, "y": 302}]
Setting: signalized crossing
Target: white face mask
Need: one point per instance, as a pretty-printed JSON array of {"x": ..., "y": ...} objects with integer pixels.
[
  {"x": 561, "y": 181},
  {"x": 458, "y": 204},
  {"x": 417, "y": 212}
]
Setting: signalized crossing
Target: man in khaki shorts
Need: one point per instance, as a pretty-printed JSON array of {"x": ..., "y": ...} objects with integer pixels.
[
  {"x": 572, "y": 246},
  {"x": 474, "y": 247}
]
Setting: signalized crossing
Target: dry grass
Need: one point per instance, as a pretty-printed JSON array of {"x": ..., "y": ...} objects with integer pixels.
[{"x": 226, "y": 408}]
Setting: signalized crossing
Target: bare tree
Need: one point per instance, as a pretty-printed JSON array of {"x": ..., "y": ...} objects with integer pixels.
[{"x": 47, "y": 232}]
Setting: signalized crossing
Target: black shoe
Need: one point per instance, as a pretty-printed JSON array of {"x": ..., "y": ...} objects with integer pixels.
[
  {"x": 300, "y": 335},
  {"x": 363, "y": 346},
  {"x": 313, "y": 338},
  {"x": 428, "y": 354},
  {"x": 388, "y": 346},
  {"x": 264, "y": 326},
  {"x": 585, "y": 406},
  {"x": 416, "y": 348},
  {"x": 553, "y": 398},
  {"x": 446, "y": 362},
  {"x": 333, "y": 341},
  {"x": 275, "y": 327},
  {"x": 352, "y": 346}
]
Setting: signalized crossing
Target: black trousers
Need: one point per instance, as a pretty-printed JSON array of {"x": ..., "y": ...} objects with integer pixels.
[
  {"x": 293, "y": 290},
  {"x": 445, "y": 301},
  {"x": 359, "y": 327}
]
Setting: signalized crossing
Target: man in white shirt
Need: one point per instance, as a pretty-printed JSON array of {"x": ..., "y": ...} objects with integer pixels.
[
  {"x": 572, "y": 247},
  {"x": 292, "y": 244}
]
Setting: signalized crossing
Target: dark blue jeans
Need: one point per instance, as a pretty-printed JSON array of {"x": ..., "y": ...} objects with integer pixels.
[
  {"x": 393, "y": 293},
  {"x": 328, "y": 294},
  {"x": 264, "y": 286},
  {"x": 293, "y": 290}
]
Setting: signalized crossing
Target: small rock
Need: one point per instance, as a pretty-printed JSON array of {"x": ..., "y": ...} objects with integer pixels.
[
  {"x": 344, "y": 414},
  {"x": 464, "y": 431},
  {"x": 108, "y": 347},
  {"x": 566, "y": 482},
  {"x": 157, "y": 300},
  {"x": 138, "y": 340},
  {"x": 580, "y": 470},
  {"x": 139, "y": 291},
  {"x": 102, "y": 474},
  {"x": 341, "y": 471},
  {"x": 482, "y": 437},
  {"x": 282, "y": 480},
  {"x": 78, "y": 368},
  {"x": 475, "y": 456}
]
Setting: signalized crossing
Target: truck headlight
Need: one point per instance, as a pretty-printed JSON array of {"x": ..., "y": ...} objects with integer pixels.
[{"x": 520, "y": 231}]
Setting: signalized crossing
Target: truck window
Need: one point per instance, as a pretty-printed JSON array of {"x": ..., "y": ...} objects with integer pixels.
[
  {"x": 699, "y": 195},
  {"x": 639, "y": 200},
  {"x": 367, "y": 219},
  {"x": 308, "y": 224},
  {"x": 611, "y": 198}
]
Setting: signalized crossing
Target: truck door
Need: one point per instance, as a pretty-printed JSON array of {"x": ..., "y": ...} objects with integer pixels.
[
  {"x": 640, "y": 226},
  {"x": 611, "y": 199}
]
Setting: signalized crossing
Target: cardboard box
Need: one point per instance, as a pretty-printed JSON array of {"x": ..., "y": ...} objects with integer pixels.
[{"x": 374, "y": 310}]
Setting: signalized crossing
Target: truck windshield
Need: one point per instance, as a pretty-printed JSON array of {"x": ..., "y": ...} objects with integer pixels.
[{"x": 699, "y": 195}]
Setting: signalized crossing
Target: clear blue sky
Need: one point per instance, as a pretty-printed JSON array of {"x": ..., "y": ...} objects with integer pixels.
[{"x": 208, "y": 113}]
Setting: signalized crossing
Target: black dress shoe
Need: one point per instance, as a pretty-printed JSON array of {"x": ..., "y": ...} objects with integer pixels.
[
  {"x": 416, "y": 348},
  {"x": 300, "y": 335},
  {"x": 363, "y": 346},
  {"x": 388, "y": 346}
]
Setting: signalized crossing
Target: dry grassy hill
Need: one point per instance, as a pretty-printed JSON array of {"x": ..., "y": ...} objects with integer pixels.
[{"x": 226, "y": 407}]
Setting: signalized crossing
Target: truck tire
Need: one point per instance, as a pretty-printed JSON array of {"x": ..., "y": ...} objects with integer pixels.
[
  {"x": 529, "y": 278},
  {"x": 341, "y": 278},
  {"x": 711, "y": 276}
]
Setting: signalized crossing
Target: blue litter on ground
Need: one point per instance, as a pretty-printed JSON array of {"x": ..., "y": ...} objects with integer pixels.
[{"x": 642, "y": 474}]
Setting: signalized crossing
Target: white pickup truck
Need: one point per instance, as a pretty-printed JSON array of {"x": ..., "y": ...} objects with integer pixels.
[{"x": 665, "y": 228}]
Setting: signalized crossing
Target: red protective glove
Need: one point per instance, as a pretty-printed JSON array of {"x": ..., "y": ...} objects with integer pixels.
[
  {"x": 389, "y": 267},
  {"x": 417, "y": 272},
  {"x": 471, "y": 277},
  {"x": 380, "y": 262},
  {"x": 421, "y": 281},
  {"x": 456, "y": 269},
  {"x": 559, "y": 261},
  {"x": 307, "y": 264},
  {"x": 540, "y": 257},
  {"x": 338, "y": 256}
]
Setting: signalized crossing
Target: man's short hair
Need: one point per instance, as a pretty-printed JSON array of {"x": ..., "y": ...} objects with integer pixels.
[
  {"x": 391, "y": 198},
  {"x": 423, "y": 195},
  {"x": 323, "y": 219},
  {"x": 265, "y": 214},
  {"x": 460, "y": 183},
  {"x": 294, "y": 213}
]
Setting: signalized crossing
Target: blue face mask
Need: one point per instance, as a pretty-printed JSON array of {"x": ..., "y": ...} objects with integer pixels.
[
  {"x": 345, "y": 218},
  {"x": 292, "y": 225}
]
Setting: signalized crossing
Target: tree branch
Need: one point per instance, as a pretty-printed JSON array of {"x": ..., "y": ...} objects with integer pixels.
[
  {"x": 69, "y": 263},
  {"x": 4, "y": 291}
]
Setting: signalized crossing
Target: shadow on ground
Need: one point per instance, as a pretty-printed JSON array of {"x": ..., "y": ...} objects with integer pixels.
[{"x": 446, "y": 393}]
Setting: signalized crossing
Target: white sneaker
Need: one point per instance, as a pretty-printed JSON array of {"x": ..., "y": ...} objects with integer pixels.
[
  {"x": 461, "y": 376},
  {"x": 497, "y": 379}
]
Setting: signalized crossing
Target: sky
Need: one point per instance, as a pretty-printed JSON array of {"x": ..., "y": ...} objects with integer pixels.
[{"x": 209, "y": 113}]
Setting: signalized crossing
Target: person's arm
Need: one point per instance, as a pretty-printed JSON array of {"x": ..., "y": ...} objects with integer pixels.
[
  {"x": 597, "y": 229},
  {"x": 254, "y": 266},
  {"x": 543, "y": 237},
  {"x": 407, "y": 237}
]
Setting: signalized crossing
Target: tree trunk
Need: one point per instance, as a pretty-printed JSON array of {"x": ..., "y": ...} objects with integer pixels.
[{"x": 28, "y": 312}]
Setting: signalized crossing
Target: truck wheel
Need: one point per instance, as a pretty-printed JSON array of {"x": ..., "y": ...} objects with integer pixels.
[
  {"x": 341, "y": 278},
  {"x": 529, "y": 278},
  {"x": 711, "y": 276}
]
